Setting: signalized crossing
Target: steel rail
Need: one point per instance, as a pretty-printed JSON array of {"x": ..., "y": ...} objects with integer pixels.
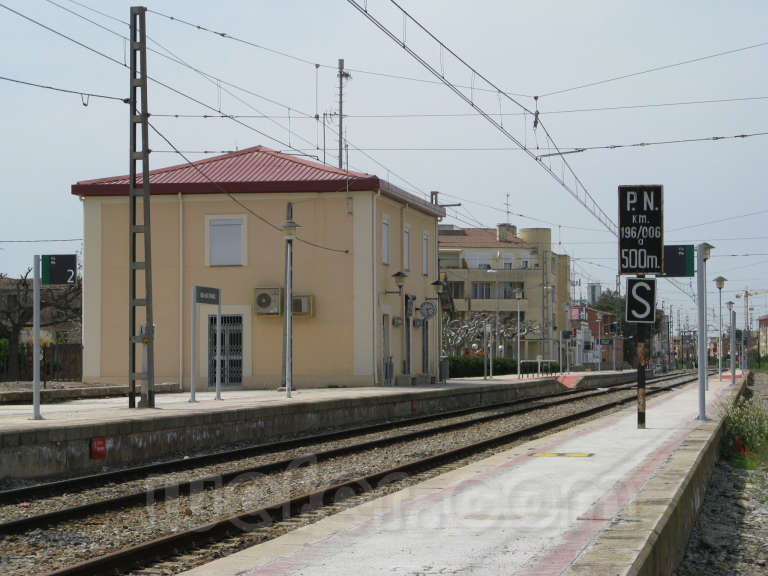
[
  {"x": 147, "y": 552},
  {"x": 172, "y": 491}
]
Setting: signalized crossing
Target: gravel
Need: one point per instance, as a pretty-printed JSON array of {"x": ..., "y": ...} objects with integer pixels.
[
  {"x": 43, "y": 550},
  {"x": 731, "y": 534},
  {"x": 68, "y": 542}
]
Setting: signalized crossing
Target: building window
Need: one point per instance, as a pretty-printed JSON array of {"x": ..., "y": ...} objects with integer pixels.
[
  {"x": 552, "y": 266},
  {"x": 524, "y": 261},
  {"x": 456, "y": 289},
  {"x": 385, "y": 240},
  {"x": 407, "y": 248},
  {"x": 479, "y": 260},
  {"x": 425, "y": 254},
  {"x": 509, "y": 290},
  {"x": 481, "y": 290},
  {"x": 226, "y": 242}
]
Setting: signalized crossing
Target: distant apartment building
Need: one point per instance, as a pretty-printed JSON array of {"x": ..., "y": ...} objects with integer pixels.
[
  {"x": 762, "y": 329},
  {"x": 595, "y": 341},
  {"x": 492, "y": 271}
]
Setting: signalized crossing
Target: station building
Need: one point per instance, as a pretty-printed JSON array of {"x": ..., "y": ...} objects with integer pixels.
[
  {"x": 217, "y": 224},
  {"x": 490, "y": 271}
]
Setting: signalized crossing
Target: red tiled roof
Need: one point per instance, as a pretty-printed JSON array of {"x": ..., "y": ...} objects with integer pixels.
[
  {"x": 253, "y": 170},
  {"x": 477, "y": 238}
]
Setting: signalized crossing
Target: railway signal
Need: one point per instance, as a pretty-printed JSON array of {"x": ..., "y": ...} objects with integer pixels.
[
  {"x": 641, "y": 252},
  {"x": 641, "y": 229}
]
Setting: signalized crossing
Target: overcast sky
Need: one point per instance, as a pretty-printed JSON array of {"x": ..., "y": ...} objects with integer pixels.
[{"x": 52, "y": 140}]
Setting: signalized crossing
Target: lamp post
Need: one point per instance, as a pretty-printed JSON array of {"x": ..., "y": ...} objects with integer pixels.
[
  {"x": 732, "y": 346},
  {"x": 439, "y": 286},
  {"x": 399, "y": 278},
  {"x": 494, "y": 338},
  {"x": 518, "y": 297},
  {"x": 289, "y": 226},
  {"x": 599, "y": 345},
  {"x": 720, "y": 282},
  {"x": 702, "y": 255}
]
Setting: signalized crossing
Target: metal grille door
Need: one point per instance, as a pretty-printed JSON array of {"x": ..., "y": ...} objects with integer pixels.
[{"x": 231, "y": 350}]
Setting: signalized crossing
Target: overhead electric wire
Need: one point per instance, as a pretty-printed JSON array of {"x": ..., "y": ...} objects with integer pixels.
[
  {"x": 755, "y": 213},
  {"x": 654, "y": 69},
  {"x": 310, "y": 62},
  {"x": 238, "y": 202},
  {"x": 41, "y": 241},
  {"x": 565, "y": 150},
  {"x": 174, "y": 58},
  {"x": 504, "y": 211},
  {"x": 163, "y": 84},
  {"x": 411, "y": 115},
  {"x": 57, "y": 89}
]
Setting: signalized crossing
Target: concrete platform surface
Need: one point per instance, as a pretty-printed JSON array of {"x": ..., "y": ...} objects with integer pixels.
[
  {"x": 18, "y": 417},
  {"x": 532, "y": 510}
]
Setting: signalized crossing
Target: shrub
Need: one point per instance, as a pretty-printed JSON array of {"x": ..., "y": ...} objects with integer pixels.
[
  {"x": 468, "y": 366},
  {"x": 746, "y": 420}
]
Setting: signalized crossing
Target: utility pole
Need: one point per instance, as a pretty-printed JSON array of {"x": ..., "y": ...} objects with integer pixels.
[
  {"x": 342, "y": 76},
  {"x": 138, "y": 119}
]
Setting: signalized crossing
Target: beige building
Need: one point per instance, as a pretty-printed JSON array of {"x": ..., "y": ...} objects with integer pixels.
[
  {"x": 218, "y": 224},
  {"x": 488, "y": 269}
]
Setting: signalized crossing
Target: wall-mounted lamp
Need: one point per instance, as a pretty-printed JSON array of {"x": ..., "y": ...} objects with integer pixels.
[{"x": 399, "y": 281}]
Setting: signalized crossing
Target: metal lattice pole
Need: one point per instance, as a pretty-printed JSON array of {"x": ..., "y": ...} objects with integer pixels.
[{"x": 139, "y": 118}]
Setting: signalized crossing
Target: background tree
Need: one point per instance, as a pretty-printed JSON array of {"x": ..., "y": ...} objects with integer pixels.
[
  {"x": 58, "y": 304},
  {"x": 614, "y": 303}
]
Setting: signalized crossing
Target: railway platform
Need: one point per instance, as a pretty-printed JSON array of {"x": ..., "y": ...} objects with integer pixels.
[
  {"x": 600, "y": 498},
  {"x": 61, "y": 444}
]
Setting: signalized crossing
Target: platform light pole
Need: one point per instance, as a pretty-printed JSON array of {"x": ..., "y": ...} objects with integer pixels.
[
  {"x": 720, "y": 282},
  {"x": 702, "y": 255},
  {"x": 519, "y": 296},
  {"x": 732, "y": 316},
  {"x": 289, "y": 226}
]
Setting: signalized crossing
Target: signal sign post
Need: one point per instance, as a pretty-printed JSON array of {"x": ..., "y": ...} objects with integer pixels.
[
  {"x": 641, "y": 252},
  {"x": 56, "y": 269},
  {"x": 204, "y": 295}
]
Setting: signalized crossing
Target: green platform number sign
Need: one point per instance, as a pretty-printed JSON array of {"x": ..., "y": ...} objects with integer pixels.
[{"x": 59, "y": 269}]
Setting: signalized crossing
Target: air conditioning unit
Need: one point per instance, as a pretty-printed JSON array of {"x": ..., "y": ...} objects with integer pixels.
[
  {"x": 303, "y": 306},
  {"x": 269, "y": 301}
]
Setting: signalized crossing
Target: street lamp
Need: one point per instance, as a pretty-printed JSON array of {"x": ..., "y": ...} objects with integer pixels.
[
  {"x": 720, "y": 282},
  {"x": 289, "y": 227},
  {"x": 703, "y": 251},
  {"x": 496, "y": 331},
  {"x": 399, "y": 281},
  {"x": 439, "y": 286},
  {"x": 732, "y": 346},
  {"x": 518, "y": 297}
]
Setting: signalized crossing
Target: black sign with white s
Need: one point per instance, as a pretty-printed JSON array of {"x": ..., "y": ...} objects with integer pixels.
[
  {"x": 641, "y": 300},
  {"x": 641, "y": 229}
]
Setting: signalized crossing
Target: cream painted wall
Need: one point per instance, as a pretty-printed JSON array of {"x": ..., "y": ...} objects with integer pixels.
[
  {"x": 324, "y": 343},
  {"x": 417, "y": 283},
  {"x": 92, "y": 289}
]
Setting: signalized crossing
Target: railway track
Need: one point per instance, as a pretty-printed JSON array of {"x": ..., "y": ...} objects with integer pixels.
[{"x": 333, "y": 493}]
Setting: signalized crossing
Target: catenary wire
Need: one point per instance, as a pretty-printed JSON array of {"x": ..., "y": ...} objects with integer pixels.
[
  {"x": 309, "y": 62},
  {"x": 655, "y": 69},
  {"x": 407, "y": 115},
  {"x": 755, "y": 213},
  {"x": 174, "y": 58},
  {"x": 41, "y": 241},
  {"x": 65, "y": 90}
]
